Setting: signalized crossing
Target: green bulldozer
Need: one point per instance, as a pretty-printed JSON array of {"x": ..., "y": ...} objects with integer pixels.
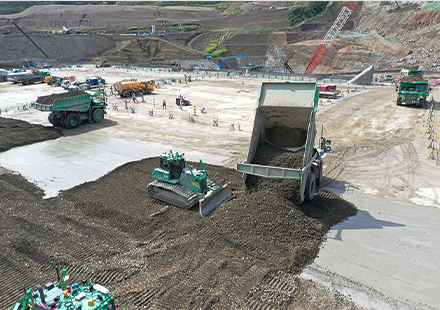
[{"x": 185, "y": 186}]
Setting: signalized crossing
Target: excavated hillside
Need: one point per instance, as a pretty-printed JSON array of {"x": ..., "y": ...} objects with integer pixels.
[{"x": 377, "y": 33}]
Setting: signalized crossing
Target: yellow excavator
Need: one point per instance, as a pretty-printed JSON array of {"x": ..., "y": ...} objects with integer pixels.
[{"x": 101, "y": 63}]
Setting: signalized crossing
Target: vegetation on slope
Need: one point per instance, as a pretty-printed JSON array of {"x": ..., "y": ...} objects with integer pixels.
[{"x": 311, "y": 9}]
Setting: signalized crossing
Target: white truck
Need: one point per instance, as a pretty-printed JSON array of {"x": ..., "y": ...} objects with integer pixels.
[{"x": 3, "y": 75}]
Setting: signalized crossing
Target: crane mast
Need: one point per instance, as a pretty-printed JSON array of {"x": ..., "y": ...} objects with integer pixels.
[
  {"x": 331, "y": 35},
  {"x": 12, "y": 22}
]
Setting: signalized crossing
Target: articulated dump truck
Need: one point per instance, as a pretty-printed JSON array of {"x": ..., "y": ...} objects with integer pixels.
[{"x": 285, "y": 120}]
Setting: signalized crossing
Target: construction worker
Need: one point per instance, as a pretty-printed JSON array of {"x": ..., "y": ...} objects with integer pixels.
[
  {"x": 134, "y": 98},
  {"x": 142, "y": 95},
  {"x": 164, "y": 104},
  {"x": 111, "y": 89}
]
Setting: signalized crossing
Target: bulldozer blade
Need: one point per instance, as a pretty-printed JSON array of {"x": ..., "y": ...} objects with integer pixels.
[{"x": 214, "y": 199}]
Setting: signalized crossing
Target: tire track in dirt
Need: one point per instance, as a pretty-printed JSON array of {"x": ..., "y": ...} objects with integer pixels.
[{"x": 373, "y": 148}]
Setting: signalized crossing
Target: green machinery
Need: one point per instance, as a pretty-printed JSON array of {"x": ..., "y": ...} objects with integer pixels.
[
  {"x": 69, "y": 109},
  {"x": 185, "y": 186},
  {"x": 412, "y": 88},
  {"x": 62, "y": 295},
  {"x": 290, "y": 106}
]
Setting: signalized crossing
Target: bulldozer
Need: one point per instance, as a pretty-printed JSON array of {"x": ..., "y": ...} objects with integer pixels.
[{"x": 185, "y": 186}]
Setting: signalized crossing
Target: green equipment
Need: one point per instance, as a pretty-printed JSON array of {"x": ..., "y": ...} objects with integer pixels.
[
  {"x": 69, "y": 109},
  {"x": 62, "y": 295},
  {"x": 285, "y": 118},
  {"x": 412, "y": 88},
  {"x": 184, "y": 186}
]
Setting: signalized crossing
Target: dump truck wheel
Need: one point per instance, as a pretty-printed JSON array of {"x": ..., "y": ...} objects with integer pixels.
[
  {"x": 309, "y": 191},
  {"x": 399, "y": 101},
  {"x": 71, "y": 121},
  {"x": 53, "y": 120},
  {"x": 98, "y": 115}
]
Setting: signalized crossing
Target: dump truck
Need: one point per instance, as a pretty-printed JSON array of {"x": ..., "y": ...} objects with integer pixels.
[
  {"x": 412, "y": 89},
  {"x": 285, "y": 119},
  {"x": 185, "y": 186},
  {"x": 64, "y": 294},
  {"x": 128, "y": 88},
  {"x": 69, "y": 109},
  {"x": 328, "y": 91}
]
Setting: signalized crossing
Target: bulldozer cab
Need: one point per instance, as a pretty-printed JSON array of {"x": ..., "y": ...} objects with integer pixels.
[{"x": 174, "y": 166}]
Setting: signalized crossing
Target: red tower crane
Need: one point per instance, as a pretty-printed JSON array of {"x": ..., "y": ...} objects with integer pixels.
[{"x": 331, "y": 35}]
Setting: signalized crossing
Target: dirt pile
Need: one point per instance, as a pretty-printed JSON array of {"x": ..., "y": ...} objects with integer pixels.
[
  {"x": 14, "y": 133},
  {"x": 50, "y": 99},
  {"x": 270, "y": 155},
  {"x": 413, "y": 79},
  {"x": 151, "y": 255}
]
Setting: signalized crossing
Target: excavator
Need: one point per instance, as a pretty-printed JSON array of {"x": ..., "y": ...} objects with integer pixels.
[
  {"x": 101, "y": 63},
  {"x": 185, "y": 186}
]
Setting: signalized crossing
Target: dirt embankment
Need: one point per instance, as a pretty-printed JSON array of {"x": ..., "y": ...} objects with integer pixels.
[
  {"x": 14, "y": 133},
  {"x": 246, "y": 254}
]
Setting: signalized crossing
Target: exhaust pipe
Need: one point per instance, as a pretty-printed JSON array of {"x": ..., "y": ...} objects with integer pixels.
[{"x": 40, "y": 290}]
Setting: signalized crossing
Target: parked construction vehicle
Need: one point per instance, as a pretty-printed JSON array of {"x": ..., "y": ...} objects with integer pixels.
[
  {"x": 328, "y": 91},
  {"x": 101, "y": 63},
  {"x": 285, "y": 118},
  {"x": 181, "y": 101},
  {"x": 184, "y": 186},
  {"x": 69, "y": 109},
  {"x": 64, "y": 295},
  {"x": 30, "y": 79},
  {"x": 3, "y": 75},
  {"x": 128, "y": 88}
]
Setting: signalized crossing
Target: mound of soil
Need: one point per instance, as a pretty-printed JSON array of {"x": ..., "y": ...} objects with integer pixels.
[
  {"x": 153, "y": 255},
  {"x": 15, "y": 133},
  {"x": 48, "y": 100}
]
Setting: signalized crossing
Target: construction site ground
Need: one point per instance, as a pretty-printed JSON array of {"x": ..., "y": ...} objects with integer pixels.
[{"x": 80, "y": 200}]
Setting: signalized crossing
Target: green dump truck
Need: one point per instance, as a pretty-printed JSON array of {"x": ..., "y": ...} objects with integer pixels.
[
  {"x": 69, "y": 109},
  {"x": 412, "y": 89},
  {"x": 285, "y": 120}
]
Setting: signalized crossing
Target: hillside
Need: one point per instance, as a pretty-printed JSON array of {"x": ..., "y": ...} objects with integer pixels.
[{"x": 377, "y": 33}]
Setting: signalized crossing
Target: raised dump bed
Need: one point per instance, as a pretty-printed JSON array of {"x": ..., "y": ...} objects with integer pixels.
[{"x": 285, "y": 120}]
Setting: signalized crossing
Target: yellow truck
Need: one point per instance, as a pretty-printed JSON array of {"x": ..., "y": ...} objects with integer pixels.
[{"x": 127, "y": 88}]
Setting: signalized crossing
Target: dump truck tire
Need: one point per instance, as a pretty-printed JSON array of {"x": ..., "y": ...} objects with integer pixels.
[
  {"x": 309, "y": 191},
  {"x": 72, "y": 121},
  {"x": 97, "y": 115},
  {"x": 53, "y": 120},
  {"x": 399, "y": 101}
]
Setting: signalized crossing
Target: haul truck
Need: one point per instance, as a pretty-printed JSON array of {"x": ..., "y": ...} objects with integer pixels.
[
  {"x": 291, "y": 106},
  {"x": 128, "y": 88},
  {"x": 69, "y": 109}
]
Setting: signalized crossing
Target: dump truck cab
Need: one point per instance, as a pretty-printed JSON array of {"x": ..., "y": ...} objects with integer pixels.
[{"x": 412, "y": 88}]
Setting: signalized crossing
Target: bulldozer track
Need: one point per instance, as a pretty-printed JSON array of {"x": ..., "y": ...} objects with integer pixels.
[{"x": 165, "y": 190}]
